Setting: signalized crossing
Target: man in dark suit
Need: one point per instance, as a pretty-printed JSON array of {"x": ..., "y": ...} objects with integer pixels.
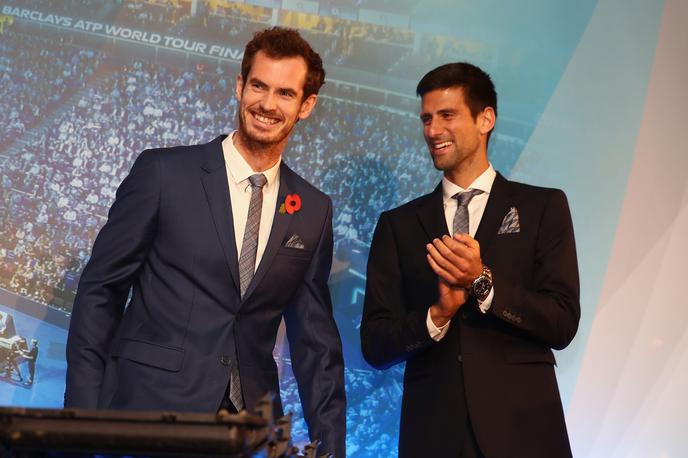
[
  {"x": 472, "y": 286},
  {"x": 219, "y": 242}
]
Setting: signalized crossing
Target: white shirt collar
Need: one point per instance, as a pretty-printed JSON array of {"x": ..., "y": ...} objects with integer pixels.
[
  {"x": 483, "y": 182},
  {"x": 239, "y": 170}
]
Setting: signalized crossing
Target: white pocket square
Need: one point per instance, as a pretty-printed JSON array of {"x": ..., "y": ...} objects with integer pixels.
[
  {"x": 295, "y": 242},
  {"x": 511, "y": 224}
]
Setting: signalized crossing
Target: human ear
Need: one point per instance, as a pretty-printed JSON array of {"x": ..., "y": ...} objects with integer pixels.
[{"x": 307, "y": 106}]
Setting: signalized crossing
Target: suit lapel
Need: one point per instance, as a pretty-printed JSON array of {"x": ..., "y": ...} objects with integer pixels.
[
  {"x": 431, "y": 215},
  {"x": 214, "y": 179},
  {"x": 498, "y": 205},
  {"x": 280, "y": 224}
]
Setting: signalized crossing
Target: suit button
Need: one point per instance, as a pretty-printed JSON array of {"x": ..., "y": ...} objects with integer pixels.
[
  {"x": 459, "y": 358},
  {"x": 225, "y": 360}
]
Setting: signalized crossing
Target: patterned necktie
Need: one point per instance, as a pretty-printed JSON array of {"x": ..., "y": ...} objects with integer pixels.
[
  {"x": 247, "y": 267},
  {"x": 249, "y": 247},
  {"x": 461, "y": 216}
]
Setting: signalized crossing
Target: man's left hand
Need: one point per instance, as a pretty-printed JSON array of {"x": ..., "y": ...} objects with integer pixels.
[{"x": 456, "y": 259}]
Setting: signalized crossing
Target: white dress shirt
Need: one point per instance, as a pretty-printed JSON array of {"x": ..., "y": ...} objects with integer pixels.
[
  {"x": 476, "y": 208},
  {"x": 238, "y": 172}
]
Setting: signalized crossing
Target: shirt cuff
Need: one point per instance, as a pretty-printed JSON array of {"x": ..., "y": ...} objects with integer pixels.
[
  {"x": 485, "y": 305},
  {"x": 436, "y": 333}
]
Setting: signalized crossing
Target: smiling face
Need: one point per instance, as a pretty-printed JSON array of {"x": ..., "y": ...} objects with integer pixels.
[
  {"x": 271, "y": 101},
  {"x": 457, "y": 141}
]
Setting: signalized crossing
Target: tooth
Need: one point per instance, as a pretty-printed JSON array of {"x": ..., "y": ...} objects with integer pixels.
[{"x": 265, "y": 119}]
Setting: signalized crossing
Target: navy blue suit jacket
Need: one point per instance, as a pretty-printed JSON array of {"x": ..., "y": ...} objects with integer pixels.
[{"x": 170, "y": 235}]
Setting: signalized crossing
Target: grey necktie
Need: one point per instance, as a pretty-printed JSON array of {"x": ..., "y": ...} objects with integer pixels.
[
  {"x": 247, "y": 267},
  {"x": 249, "y": 247},
  {"x": 461, "y": 216}
]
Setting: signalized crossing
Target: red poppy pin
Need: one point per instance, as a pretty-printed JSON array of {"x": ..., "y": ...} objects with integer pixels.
[{"x": 291, "y": 204}]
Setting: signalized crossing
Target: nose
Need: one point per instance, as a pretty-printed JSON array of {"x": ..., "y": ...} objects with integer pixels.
[
  {"x": 268, "y": 102},
  {"x": 432, "y": 128}
]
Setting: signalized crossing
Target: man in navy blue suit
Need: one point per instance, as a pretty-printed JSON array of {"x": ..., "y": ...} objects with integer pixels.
[{"x": 219, "y": 242}]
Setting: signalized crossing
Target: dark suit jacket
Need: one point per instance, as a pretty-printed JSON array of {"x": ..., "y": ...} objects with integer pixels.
[
  {"x": 497, "y": 368},
  {"x": 170, "y": 234}
]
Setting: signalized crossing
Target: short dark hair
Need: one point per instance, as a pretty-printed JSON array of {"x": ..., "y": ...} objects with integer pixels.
[
  {"x": 478, "y": 89},
  {"x": 281, "y": 42}
]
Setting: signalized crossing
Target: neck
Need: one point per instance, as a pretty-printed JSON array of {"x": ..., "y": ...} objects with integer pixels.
[
  {"x": 467, "y": 171},
  {"x": 259, "y": 156}
]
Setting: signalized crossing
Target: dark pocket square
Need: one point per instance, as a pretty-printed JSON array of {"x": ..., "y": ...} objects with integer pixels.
[
  {"x": 295, "y": 242},
  {"x": 511, "y": 223}
]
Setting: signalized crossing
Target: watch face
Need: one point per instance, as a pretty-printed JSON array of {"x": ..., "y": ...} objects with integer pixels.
[{"x": 482, "y": 287}]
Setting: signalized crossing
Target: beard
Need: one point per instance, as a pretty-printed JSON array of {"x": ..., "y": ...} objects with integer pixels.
[{"x": 262, "y": 140}]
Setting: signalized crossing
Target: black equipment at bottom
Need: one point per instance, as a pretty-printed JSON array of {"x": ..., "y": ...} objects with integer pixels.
[{"x": 29, "y": 433}]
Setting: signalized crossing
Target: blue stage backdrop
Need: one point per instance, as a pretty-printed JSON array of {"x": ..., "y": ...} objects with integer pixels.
[{"x": 86, "y": 85}]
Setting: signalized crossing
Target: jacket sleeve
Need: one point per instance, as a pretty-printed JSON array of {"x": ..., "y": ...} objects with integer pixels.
[
  {"x": 316, "y": 350},
  {"x": 549, "y": 309},
  {"x": 389, "y": 332},
  {"x": 119, "y": 251}
]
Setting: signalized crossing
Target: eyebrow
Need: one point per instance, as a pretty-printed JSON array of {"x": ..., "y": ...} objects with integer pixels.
[
  {"x": 253, "y": 79},
  {"x": 281, "y": 89},
  {"x": 288, "y": 91},
  {"x": 426, "y": 114}
]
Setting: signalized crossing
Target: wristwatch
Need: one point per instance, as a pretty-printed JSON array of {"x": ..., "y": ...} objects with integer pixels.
[{"x": 481, "y": 286}]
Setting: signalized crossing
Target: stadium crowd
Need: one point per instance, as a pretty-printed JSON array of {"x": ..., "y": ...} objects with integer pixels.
[
  {"x": 161, "y": 16},
  {"x": 342, "y": 42},
  {"x": 373, "y": 408},
  {"x": 36, "y": 74}
]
